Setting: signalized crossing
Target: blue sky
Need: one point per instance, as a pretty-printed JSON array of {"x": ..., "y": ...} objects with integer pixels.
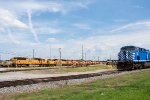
[{"x": 102, "y": 26}]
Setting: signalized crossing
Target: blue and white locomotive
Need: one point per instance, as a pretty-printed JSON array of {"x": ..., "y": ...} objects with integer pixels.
[{"x": 132, "y": 57}]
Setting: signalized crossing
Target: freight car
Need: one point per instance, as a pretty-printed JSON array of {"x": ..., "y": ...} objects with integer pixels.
[
  {"x": 132, "y": 57},
  {"x": 39, "y": 62},
  {"x": 19, "y": 61}
]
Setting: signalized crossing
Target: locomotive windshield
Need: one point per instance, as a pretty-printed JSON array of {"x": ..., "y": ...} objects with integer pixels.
[{"x": 128, "y": 48}]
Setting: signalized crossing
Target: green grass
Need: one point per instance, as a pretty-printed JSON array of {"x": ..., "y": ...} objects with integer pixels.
[
  {"x": 134, "y": 86},
  {"x": 71, "y": 69},
  {"x": 61, "y": 68},
  {"x": 81, "y": 69}
]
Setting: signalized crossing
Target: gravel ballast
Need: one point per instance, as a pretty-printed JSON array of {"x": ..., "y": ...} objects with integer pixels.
[
  {"x": 56, "y": 84},
  {"x": 11, "y": 76}
]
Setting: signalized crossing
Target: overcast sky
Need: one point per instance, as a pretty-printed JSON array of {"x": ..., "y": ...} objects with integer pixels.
[{"x": 102, "y": 26}]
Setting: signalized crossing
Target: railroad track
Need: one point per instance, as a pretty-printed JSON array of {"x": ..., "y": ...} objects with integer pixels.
[
  {"x": 40, "y": 68},
  {"x": 17, "y": 70},
  {"x": 58, "y": 78}
]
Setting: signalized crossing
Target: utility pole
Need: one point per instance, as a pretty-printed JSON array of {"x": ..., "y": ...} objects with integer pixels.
[
  {"x": 85, "y": 56},
  {"x": 98, "y": 58},
  {"x": 110, "y": 57},
  {"x": 33, "y": 53},
  {"x": 60, "y": 53},
  {"x": 94, "y": 58},
  {"x": 82, "y": 53},
  {"x": 50, "y": 52}
]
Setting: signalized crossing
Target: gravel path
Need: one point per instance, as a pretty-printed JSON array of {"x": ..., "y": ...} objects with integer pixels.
[
  {"x": 11, "y": 76},
  {"x": 2, "y": 69},
  {"x": 44, "y": 85}
]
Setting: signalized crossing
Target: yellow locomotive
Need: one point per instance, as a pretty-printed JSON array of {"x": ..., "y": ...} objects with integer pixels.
[{"x": 39, "y": 62}]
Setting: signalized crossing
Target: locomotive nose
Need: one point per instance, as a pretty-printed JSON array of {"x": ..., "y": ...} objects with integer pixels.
[{"x": 126, "y": 55}]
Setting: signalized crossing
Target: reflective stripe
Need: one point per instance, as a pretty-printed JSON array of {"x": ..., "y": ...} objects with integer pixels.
[{"x": 141, "y": 60}]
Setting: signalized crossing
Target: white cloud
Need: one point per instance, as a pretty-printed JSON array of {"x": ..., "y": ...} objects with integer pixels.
[
  {"x": 31, "y": 26},
  {"x": 141, "y": 25},
  {"x": 104, "y": 46},
  {"x": 94, "y": 46},
  {"x": 7, "y": 19},
  {"x": 108, "y": 45},
  {"x": 15, "y": 14},
  {"x": 12, "y": 14},
  {"x": 50, "y": 6}
]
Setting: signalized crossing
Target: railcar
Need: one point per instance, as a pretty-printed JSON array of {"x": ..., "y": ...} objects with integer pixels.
[
  {"x": 51, "y": 62},
  {"x": 39, "y": 62},
  {"x": 35, "y": 62},
  {"x": 132, "y": 57},
  {"x": 69, "y": 62},
  {"x": 63, "y": 62},
  {"x": 80, "y": 63},
  {"x": 19, "y": 61}
]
